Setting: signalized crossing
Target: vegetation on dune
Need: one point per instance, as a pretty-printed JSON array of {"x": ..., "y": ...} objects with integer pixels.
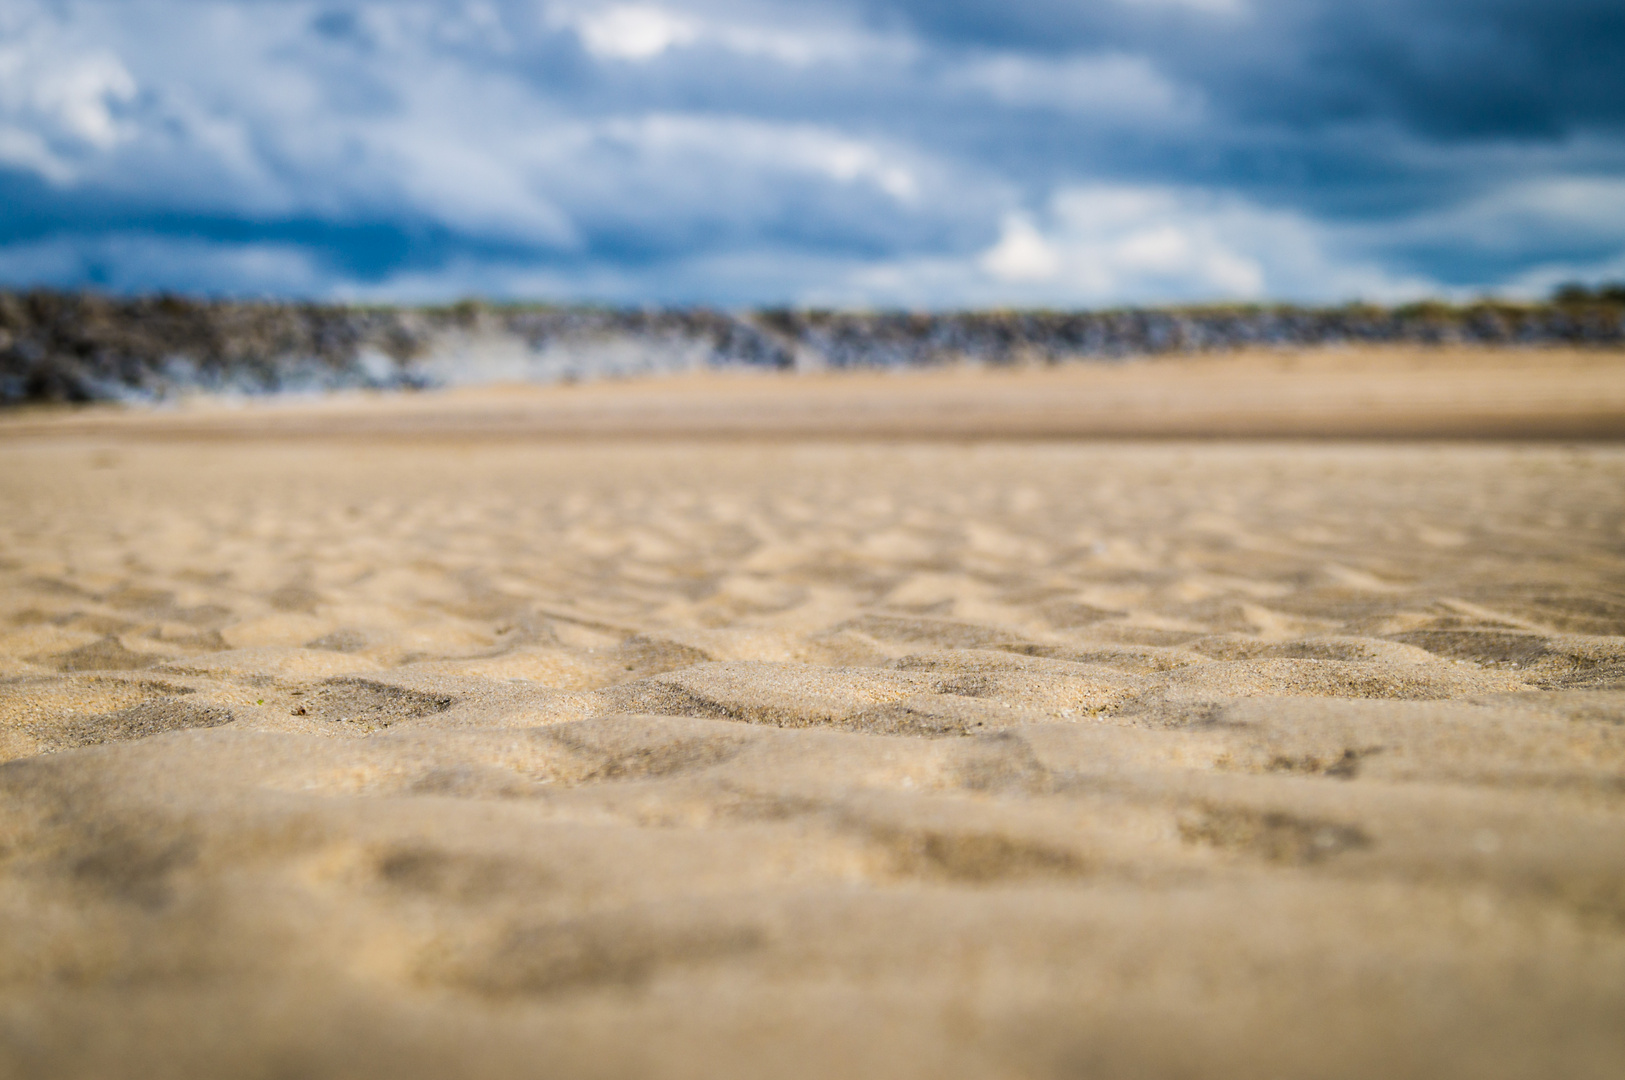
[{"x": 84, "y": 346}]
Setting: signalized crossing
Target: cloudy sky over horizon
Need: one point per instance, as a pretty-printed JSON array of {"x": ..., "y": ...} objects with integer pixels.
[{"x": 918, "y": 153}]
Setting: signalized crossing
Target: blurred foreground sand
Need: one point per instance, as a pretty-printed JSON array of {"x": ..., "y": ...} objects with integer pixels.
[{"x": 340, "y": 750}]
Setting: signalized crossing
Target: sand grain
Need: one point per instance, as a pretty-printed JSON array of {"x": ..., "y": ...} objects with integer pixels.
[{"x": 338, "y": 757}]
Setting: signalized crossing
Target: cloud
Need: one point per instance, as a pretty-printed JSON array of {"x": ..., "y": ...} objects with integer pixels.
[
  {"x": 60, "y": 97},
  {"x": 1115, "y": 244},
  {"x": 1115, "y": 240},
  {"x": 758, "y": 148},
  {"x": 1128, "y": 87},
  {"x": 633, "y": 32},
  {"x": 761, "y": 150},
  {"x": 1022, "y": 253},
  {"x": 1565, "y": 210},
  {"x": 797, "y": 37}
]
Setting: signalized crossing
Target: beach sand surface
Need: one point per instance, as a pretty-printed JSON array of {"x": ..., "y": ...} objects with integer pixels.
[
  {"x": 1372, "y": 392},
  {"x": 434, "y": 737}
]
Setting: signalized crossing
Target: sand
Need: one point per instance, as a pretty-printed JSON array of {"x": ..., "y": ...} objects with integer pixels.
[
  {"x": 427, "y": 737},
  {"x": 1385, "y": 392}
]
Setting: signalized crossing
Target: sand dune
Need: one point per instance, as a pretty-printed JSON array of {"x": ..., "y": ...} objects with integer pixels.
[
  {"x": 1390, "y": 392},
  {"x": 461, "y": 756}
]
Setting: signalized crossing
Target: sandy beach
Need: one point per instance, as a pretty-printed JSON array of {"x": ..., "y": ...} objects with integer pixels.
[{"x": 965, "y": 724}]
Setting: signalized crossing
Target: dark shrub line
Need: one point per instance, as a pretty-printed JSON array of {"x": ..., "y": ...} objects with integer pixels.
[{"x": 83, "y": 346}]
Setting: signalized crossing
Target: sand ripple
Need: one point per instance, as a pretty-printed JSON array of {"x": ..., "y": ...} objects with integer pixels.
[{"x": 464, "y": 759}]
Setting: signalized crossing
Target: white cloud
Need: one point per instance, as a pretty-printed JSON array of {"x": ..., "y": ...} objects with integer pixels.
[
  {"x": 761, "y": 150},
  {"x": 1127, "y": 87},
  {"x": 1022, "y": 253},
  {"x": 1119, "y": 240},
  {"x": 849, "y": 161},
  {"x": 59, "y": 94},
  {"x": 633, "y": 32},
  {"x": 1121, "y": 244},
  {"x": 797, "y": 36},
  {"x": 248, "y": 111},
  {"x": 1512, "y": 216},
  {"x": 27, "y": 150},
  {"x": 81, "y": 95},
  {"x": 1586, "y": 213}
]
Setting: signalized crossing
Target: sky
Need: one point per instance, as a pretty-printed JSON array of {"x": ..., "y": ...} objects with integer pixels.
[{"x": 921, "y": 154}]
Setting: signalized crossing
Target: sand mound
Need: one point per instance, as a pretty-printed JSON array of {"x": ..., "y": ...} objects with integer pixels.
[{"x": 836, "y": 759}]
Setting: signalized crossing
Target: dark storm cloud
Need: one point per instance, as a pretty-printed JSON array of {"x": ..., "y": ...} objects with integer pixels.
[
  {"x": 749, "y": 151},
  {"x": 1443, "y": 68}
]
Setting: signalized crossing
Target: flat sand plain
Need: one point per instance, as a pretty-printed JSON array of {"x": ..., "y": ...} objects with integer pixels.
[
  {"x": 1388, "y": 392},
  {"x": 430, "y": 737}
]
